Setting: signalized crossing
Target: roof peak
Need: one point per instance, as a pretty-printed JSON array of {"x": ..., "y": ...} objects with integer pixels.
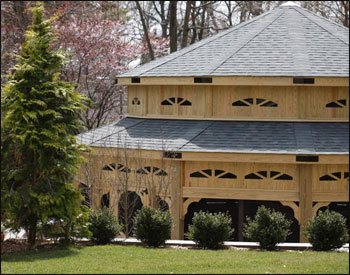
[{"x": 290, "y": 4}]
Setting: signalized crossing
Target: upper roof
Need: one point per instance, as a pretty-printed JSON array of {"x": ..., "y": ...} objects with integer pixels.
[
  {"x": 286, "y": 41},
  {"x": 222, "y": 136}
]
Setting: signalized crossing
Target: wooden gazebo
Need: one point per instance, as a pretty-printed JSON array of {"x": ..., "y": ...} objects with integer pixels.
[{"x": 257, "y": 114}]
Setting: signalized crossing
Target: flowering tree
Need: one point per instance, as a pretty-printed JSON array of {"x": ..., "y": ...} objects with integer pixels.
[
  {"x": 100, "y": 41},
  {"x": 99, "y": 50}
]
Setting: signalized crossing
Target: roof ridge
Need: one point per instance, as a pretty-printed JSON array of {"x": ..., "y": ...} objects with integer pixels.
[
  {"x": 296, "y": 8},
  {"x": 202, "y": 42},
  {"x": 250, "y": 39},
  {"x": 117, "y": 132},
  {"x": 322, "y": 17},
  {"x": 200, "y": 132}
]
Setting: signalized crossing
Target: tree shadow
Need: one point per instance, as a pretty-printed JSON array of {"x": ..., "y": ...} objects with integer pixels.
[{"x": 42, "y": 254}]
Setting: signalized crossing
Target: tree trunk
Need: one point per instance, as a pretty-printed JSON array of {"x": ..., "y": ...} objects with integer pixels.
[
  {"x": 145, "y": 30},
  {"x": 164, "y": 19},
  {"x": 185, "y": 28},
  {"x": 32, "y": 233},
  {"x": 193, "y": 19},
  {"x": 173, "y": 26},
  {"x": 201, "y": 31},
  {"x": 345, "y": 5}
]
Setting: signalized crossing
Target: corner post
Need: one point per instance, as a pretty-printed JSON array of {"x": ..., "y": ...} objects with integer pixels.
[
  {"x": 305, "y": 197},
  {"x": 176, "y": 205}
]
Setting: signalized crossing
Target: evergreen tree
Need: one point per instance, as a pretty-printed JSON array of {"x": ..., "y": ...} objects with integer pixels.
[{"x": 39, "y": 154}]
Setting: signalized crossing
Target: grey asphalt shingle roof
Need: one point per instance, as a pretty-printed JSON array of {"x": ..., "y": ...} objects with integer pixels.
[
  {"x": 222, "y": 136},
  {"x": 287, "y": 41}
]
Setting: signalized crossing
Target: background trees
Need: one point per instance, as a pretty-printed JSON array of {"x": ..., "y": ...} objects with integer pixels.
[
  {"x": 39, "y": 154},
  {"x": 106, "y": 38}
]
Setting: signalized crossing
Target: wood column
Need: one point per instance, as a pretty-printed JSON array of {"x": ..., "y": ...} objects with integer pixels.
[
  {"x": 176, "y": 205},
  {"x": 305, "y": 197},
  {"x": 240, "y": 220}
]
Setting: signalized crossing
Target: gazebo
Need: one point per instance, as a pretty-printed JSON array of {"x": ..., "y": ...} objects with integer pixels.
[{"x": 254, "y": 115}]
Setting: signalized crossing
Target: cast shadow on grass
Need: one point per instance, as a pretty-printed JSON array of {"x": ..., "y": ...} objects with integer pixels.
[{"x": 44, "y": 254}]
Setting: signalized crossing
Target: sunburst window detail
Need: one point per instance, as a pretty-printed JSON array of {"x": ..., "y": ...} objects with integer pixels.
[
  {"x": 207, "y": 173},
  {"x": 136, "y": 101},
  {"x": 113, "y": 167},
  {"x": 178, "y": 100},
  {"x": 337, "y": 104},
  {"x": 268, "y": 175},
  {"x": 261, "y": 102},
  {"x": 335, "y": 176},
  {"x": 147, "y": 170}
]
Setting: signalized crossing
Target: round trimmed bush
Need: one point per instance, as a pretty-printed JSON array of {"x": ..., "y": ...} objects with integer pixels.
[
  {"x": 210, "y": 230},
  {"x": 103, "y": 226},
  {"x": 327, "y": 230},
  {"x": 152, "y": 226},
  {"x": 269, "y": 228}
]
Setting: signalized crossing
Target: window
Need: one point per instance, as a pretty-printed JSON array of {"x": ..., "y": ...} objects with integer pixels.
[
  {"x": 258, "y": 101},
  {"x": 113, "y": 166},
  {"x": 136, "y": 101},
  {"x": 335, "y": 176},
  {"x": 179, "y": 100},
  {"x": 337, "y": 104},
  {"x": 265, "y": 174},
  {"x": 150, "y": 169},
  {"x": 221, "y": 174}
]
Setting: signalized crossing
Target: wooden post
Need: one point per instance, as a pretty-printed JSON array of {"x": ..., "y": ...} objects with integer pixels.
[
  {"x": 240, "y": 220},
  {"x": 305, "y": 197},
  {"x": 176, "y": 206}
]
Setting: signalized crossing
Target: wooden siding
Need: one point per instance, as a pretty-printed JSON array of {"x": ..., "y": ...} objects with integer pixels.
[
  {"x": 236, "y": 80},
  {"x": 241, "y": 171},
  {"x": 294, "y": 103}
]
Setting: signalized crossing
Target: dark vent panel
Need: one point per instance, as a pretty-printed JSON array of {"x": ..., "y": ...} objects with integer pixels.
[
  {"x": 203, "y": 80},
  {"x": 307, "y": 158},
  {"x": 172, "y": 155},
  {"x": 135, "y": 80},
  {"x": 303, "y": 80}
]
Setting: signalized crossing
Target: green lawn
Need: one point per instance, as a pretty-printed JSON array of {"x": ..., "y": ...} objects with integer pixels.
[{"x": 133, "y": 259}]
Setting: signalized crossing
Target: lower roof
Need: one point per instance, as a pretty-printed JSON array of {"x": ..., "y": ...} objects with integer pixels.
[{"x": 222, "y": 136}]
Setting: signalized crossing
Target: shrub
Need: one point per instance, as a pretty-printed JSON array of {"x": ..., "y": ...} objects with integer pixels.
[
  {"x": 66, "y": 231},
  {"x": 103, "y": 225},
  {"x": 152, "y": 226},
  {"x": 210, "y": 230},
  {"x": 327, "y": 230},
  {"x": 269, "y": 227}
]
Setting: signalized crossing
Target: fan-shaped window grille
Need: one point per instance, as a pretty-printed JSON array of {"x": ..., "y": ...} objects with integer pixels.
[
  {"x": 147, "y": 170},
  {"x": 113, "y": 166},
  {"x": 337, "y": 104},
  {"x": 221, "y": 174},
  {"x": 261, "y": 102},
  {"x": 179, "y": 100},
  {"x": 136, "y": 101},
  {"x": 265, "y": 175},
  {"x": 335, "y": 176}
]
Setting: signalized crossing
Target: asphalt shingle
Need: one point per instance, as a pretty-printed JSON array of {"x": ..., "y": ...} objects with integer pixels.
[
  {"x": 287, "y": 41},
  {"x": 222, "y": 136}
]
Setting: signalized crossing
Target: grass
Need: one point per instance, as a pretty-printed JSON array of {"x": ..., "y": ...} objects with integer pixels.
[{"x": 135, "y": 259}]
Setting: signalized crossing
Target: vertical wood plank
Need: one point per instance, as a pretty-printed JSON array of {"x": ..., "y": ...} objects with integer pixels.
[{"x": 209, "y": 101}]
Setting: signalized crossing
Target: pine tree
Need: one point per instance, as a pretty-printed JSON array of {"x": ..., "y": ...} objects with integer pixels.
[{"x": 39, "y": 154}]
